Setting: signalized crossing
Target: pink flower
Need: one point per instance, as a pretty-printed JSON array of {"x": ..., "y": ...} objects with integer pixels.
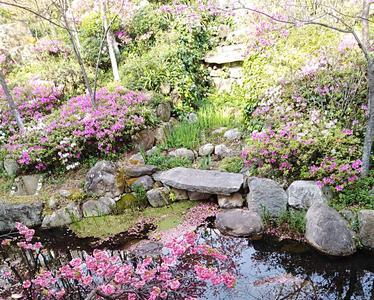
[
  {"x": 108, "y": 289},
  {"x": 26, "y": 284},
  {"x": 174, "y": 285},
  {"x": 347, "y": 131},
  {"x": 339, "y": 188}
]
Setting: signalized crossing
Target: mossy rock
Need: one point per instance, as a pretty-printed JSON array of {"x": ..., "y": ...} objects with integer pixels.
[
  {"x": 231, "y": 164},
  {"x": 77, "y": 196},
  {"x": 127, "y": 201}
]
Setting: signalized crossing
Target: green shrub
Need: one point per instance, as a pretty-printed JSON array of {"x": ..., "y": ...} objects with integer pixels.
[
  {"x": 231, "y": 164},
  {"x": 294, "y": 219},
  {"x": 166, "y": 162},
  {"x": 359, "y": 194}
]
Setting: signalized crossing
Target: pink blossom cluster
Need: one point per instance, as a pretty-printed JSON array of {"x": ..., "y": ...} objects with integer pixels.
[
  {"x": 338, "y": 176},
  {"x": 76, "y": 128},
  {"x": 51, "y": 47},
  {"x": 109, "y": 275}
]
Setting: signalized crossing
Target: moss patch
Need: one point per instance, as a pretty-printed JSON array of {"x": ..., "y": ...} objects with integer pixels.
[{"x": 163, "y": 217}]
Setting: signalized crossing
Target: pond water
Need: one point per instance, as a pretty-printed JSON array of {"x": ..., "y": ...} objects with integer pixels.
[{"x": 266, "y": 268}]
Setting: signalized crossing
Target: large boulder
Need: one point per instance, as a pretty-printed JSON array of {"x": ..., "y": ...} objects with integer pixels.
[
  {"x": 159, "y": 197},
  {"x": 29, "y": 214},
  {"x": 10, "y": 166},
  {"x": 62, "y": 217},
  {"x": 232, "y": 201},
  {"x": 202, "y": 181},
  {"x": 366, "y": 223},
  {"x": 163, "y": 111},
  {"x": 303, "y": 194},
  {"x": 95, "y": 208},
  {"x": 144, "y": 140},
  {"x": 239, "y": 222},
  {"x": 104, "y": 180},
  {"x": 327, "y": 231},
  {"x": 266, "y": 196}
]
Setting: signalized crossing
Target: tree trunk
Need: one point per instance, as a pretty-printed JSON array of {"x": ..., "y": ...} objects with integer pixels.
[
  {"x": 110, "y": 42},
  {"x": 11, "y": 104},
  {"x": 368, "y": 142}
]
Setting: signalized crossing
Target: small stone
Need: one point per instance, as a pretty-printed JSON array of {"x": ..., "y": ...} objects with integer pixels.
[
  {"x": 145, "y": 182},
  {"x": 151, "y": 151},
  {"x": 192, "y": 118},
  {"x": 303, "y": 194},
  {"x": 233, "y": 134},
  {"x": 232, "y": 201},
  {"x": 159, "y": 197},
  {"x": 366, "y": 232},
  {"x": 62, "y": 217},
  {"x": 327, "y": 231},
  {"x": 163, "y": 131},
  {"x": 183, "y": 152},
  {"x": 219, "y": 131},
  {"x": 10, "y": 166},
  {"x": 222, "y": 151},
  {"x": 239, "y": 222},
  {"x": 206, "y": 150},
  {"x": 165, "y": 88},
  {"x": 163, "y": 111},
  {"x": 96, "y": 208},
  {"x": 138, "y": 171},
  {"x": 65, "y": 193},
  {"x": 148, "y": 249},
  {"x": 199, "y": 196},
  {"x": 179, "y": 194},
  {"x": 136, "y": 159},
  {"x": 266, "y": 196},
  {"x": 53, "y": 203},
  {"x": 27, "y": 185}
]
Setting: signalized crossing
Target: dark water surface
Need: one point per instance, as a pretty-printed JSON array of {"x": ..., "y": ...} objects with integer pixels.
[{"x": 266, "y": 269}]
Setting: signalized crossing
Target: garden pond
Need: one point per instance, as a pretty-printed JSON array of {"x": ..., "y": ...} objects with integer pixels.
[{"x": 265, "y": 269}]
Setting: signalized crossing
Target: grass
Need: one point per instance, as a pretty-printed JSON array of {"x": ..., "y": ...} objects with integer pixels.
[
  {"x": 231, "y": 164},
  {"x": 166, "y": 162},
  {"x": 293, "y": 219},
  {"x": 163, "y": 217},
  {"x": 191, "y": 135}
]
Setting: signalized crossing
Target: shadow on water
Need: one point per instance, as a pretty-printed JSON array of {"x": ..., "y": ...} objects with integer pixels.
[{"x": 266, "y": 268}]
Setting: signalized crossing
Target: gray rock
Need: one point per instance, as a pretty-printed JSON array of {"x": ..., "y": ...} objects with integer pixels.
[
  {"x": 29, "y": 214},
  {"x": 219, "y": 131},
  {"x": 96, "y": 208},
  {"x": 183, "y": 152},
  {"x": 348, "y": 215},
  {"x": 27, "y": 185},
  {"x": 62, "y": 217},
  {"x": 180, "y": 194},
  {"x": 202, "y": 181},
  {"x": 165, "y": 88},
  {"x": 206, "y": 150},
  {"x": 53, "y": 203},
  {"x": 65, "y": 193},
  {"x": 10, "y": 166},
  {"x": 222, "y": 151},
  {"x": 227, "y": 54},
  {"x": 151, "y": 151},
  {"x": 303, "y": 194},
  {"x": 148, "y": 249},
  {"x": 232, "y": 201},
  {"x": 239, "y": 222},
  {"x": 366, "y": 223},
  {"x": 138, "y": 171},
  {"x": 146, "y": 182},
  {"x": 196, "y": 196},
  {"x": 103, "y": 180},
  {"x": 233, "y": 134},
  {"x": 163, "y": 131},
  {"x": 163, "y": 111},
  {"x": 192, "y": 118},
  {"x": 136, "y": 159},
  {"x": 265, "y": 195},
  {"x": 159, "y": 197},
  {"x": 144, "y": 140},
  {"x": 327, "y": 231}
]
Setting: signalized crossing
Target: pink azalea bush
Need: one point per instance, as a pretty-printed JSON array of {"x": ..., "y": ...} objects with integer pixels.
[
  {"x": 51, "y": 47},
  {"x": 184, "y": 267},
  {"x": 77, "y": 129}
]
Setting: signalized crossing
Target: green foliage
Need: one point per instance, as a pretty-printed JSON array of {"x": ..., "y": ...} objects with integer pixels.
[
  {"x": 205, "y": 162},
  {"x": 167, "y": 162},
  {"x": 294, "y": 219},
  {"x": 91, "y": 33},
  {"x": 231, "y": 164},
  {"x": 360, "y": 194},
  {"x": 191, "y": 135}
]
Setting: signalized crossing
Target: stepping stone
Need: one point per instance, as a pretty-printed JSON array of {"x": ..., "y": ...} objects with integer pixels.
[{"x": 202, "y": 181}]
